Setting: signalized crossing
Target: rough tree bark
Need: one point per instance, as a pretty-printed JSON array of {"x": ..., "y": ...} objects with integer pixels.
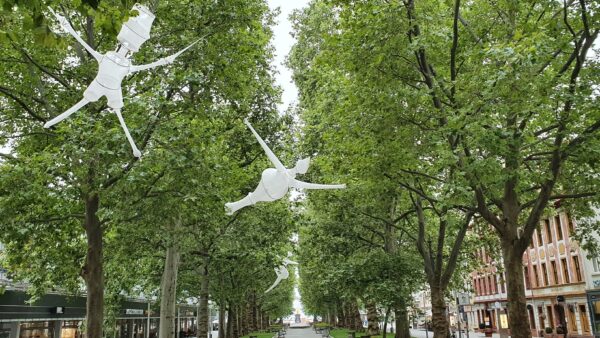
[
  {"x": 385, "y": 321},
  {"x": 203, "y": 299},
  {"x": 372, "y": 319},
  {"x": 358, "y": 325},
  {"x": 168, "y": 294},
  {"x": 222, "y": 311},
  {"x": 92, "y": 272},
  {"x": 402, "y": 325}
]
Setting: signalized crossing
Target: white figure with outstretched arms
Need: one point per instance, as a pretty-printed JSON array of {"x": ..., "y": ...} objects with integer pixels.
[
  {"x": 275, "y": 182},
  {"x": 115, "y": 65},
  {"x": 282, "y": 273}
]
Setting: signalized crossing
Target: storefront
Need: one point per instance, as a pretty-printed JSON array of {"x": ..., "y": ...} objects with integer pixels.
[{"x": 594, "y": 307}]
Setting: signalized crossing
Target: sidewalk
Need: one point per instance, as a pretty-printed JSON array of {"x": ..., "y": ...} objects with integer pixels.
[{"x": 420, "y": 333}]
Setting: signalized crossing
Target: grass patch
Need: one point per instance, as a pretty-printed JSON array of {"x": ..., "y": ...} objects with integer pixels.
[
  {"x": 260, "y": 334},
  {"x": 343, "y": 333}
]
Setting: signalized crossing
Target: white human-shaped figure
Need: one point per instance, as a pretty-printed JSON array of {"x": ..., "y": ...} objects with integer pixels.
[
  {"x": 275, "y": 182},
  {"x": 282, "y": 273},
  {"x": 115, "y": 65}
]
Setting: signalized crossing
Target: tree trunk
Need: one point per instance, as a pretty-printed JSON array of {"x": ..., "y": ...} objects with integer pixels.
[
  {"x": 372, "y": 319},
  {"x": 203, "y": 299},
  {"x": 518, "y": 319},
  {"x": 168, "y": 294},
  {"x": 385, "y": 322},
  {"x": 358, "y": 325},
  {"x": 243, "y": 314},
  {"x": 231, "y": 322},
  {"x": 402, "y": 325},
  {"x": 92, "y": 272},
  {"x": 438, "y": 314},
  {"x": 222, "y": 319},
  {"x": 252, "y": 313}
]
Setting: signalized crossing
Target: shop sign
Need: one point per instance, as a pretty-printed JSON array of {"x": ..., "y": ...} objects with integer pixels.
[
  {"x": 134, "y": 311},
  {"x": 59, "y": 310}
]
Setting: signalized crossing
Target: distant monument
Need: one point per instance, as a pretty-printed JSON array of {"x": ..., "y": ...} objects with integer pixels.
[{"x": 297, "y": 318}]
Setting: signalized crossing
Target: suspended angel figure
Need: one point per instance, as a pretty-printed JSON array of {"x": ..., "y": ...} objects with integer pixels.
[
  {"x": 275, "y": 182},
  {"x": 282, "y": 273},
  {"x": 115, "y": 65}
]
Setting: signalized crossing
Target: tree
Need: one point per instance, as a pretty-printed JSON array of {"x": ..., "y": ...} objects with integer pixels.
[
  {"x": 501, "y": 95},
  {"x": 80, "y": 172}
]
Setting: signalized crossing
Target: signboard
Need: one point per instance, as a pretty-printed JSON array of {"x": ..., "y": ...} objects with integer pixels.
[
  {"x": 503, "y": 321},
  {"x": 59, "y": 310},
  {"x": 134, "y": 311},
  {"x": 596, "y": 283}
]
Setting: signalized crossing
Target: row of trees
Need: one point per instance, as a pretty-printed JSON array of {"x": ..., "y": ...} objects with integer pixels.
[
  {"x": 80, "y": 214},
  {"x": 442, "y": 115}
]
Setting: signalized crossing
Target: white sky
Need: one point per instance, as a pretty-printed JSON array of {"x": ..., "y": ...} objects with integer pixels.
[{"x": 283, "y": 41}]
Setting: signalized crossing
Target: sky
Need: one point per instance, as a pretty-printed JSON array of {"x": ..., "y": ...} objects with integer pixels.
[{"x": 283, "y": 42}]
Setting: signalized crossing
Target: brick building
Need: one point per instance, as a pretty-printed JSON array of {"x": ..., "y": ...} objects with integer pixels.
[{"x": 555, "y": 283}]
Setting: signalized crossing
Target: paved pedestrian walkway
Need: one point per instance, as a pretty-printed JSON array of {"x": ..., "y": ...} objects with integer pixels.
[{"x": 301, "y": 333}]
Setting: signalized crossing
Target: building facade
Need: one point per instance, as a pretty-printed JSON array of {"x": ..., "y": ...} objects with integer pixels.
[
  {"x": 555, "y": 284},
  {"x": 592, "y": 282},
  {"x": 56, "y": 315}
]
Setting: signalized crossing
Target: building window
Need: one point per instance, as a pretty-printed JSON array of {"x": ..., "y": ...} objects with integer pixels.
[
  {"x": 577, "y": 268},
  {"x": 545, "y": 274},
  {"x": 550, "y": 315},
  {"x": 554, "y": 271},
  {"x": 585, "y": 324},
  {"x": 559, "y": 234},
  {"x": 539, "y": 236},
  {"x": 531, "y": 317},
  {"x": 503, "y": 283},
  {"x": 566, "y": 277},
  {"x": 570, "y": 224},
  {"x": 526, "y": 277},
  {"x": 548, "y": 231},
  {"x": 541, "y": 317},
  {"x": 536, "y": 276},
  {"x": 531, "y": 243},
  {"x": 596, "y": 264}
]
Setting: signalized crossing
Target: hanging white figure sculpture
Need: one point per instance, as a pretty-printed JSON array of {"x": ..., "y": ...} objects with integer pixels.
[
  {"x": 115, "y": 65},
  {"x": 275, "y": 182},
  {"x": 282, "y": 273}
]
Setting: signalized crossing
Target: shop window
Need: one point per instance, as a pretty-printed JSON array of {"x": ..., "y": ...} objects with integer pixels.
[
  {"x": 37, "y": 330},
  {"x": 554, "y": 271},
  {"x": 70, "y": 329},
  {"x": 566, "y": 276},
  {"x": 4, "y": 330},
  {"x": 577, "y": 268},
  {"x": 558, "y": 226}
]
